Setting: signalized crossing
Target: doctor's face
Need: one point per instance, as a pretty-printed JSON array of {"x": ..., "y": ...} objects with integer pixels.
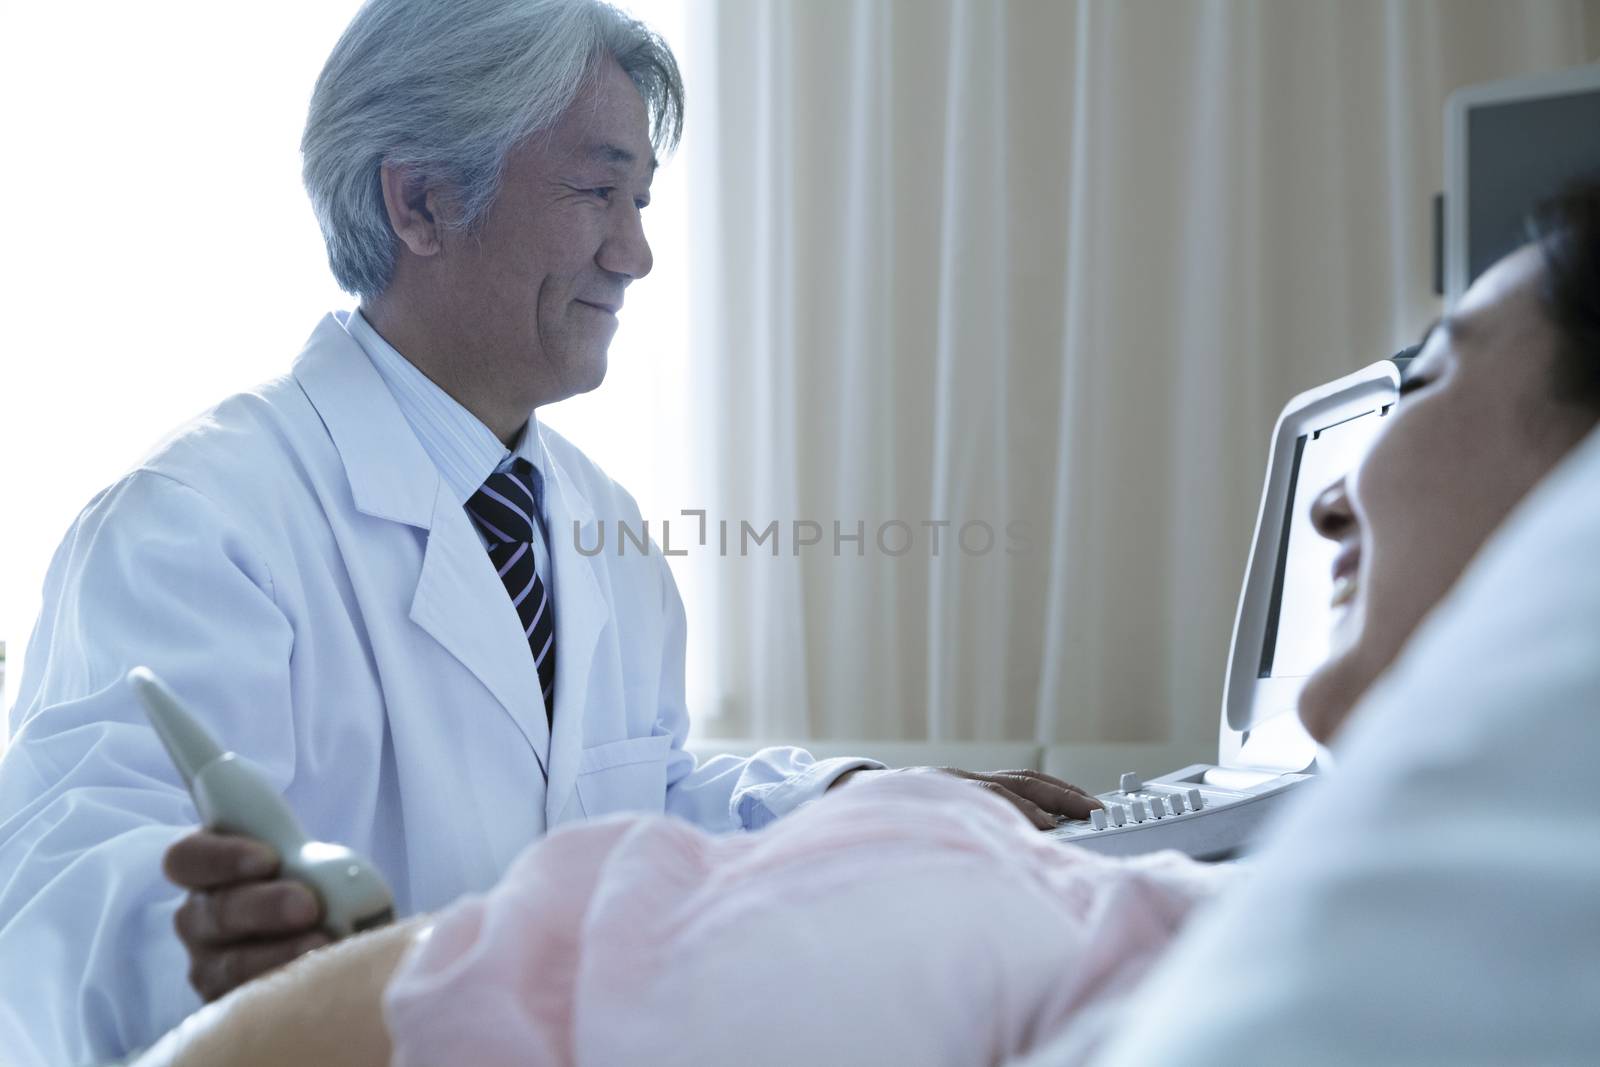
[
  {"x": 1478, "y": 424},
  {"x": 542, "y": 282}
]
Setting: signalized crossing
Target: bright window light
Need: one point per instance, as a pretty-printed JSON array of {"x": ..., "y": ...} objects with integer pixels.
[{"x": 163, "y": 255}]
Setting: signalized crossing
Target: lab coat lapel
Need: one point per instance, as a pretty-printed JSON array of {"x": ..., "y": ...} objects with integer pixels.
[
  {"x": 459, "y": 600},
  {"x": 391, "y": 477},
  {"x": 581, "y": 613},
  {"x": 462, "y": 604}
]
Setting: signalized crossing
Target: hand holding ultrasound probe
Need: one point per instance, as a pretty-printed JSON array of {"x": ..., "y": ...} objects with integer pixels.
[{"x": 234, "y": 799}]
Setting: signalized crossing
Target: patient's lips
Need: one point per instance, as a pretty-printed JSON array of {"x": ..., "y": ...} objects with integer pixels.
[{"x": 1345, "y": 570}]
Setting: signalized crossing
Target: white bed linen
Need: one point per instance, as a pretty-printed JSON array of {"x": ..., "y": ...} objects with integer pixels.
[{"x": 1438, "y": 901}]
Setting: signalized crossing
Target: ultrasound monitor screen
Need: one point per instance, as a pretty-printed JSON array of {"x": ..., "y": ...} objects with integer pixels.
[
  {"x": 1518, "y": 153},
  {"x": 1300, "y": 618}
]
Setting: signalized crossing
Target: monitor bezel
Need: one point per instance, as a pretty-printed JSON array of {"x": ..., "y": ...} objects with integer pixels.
[{"x": 1260, "y": 727}]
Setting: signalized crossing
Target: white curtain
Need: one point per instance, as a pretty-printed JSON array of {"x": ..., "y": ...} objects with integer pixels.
[{"x": 1056, "y": 264}]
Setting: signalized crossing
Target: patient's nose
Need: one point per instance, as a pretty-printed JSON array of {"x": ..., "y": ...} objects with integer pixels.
[{"x": 1331, "y": 515}]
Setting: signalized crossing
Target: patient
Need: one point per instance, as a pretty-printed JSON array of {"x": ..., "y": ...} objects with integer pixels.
[{"x": 903, "y": 919}]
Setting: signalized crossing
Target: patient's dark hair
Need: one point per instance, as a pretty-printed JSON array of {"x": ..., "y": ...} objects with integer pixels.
[{"x": 1567, "y": 229}]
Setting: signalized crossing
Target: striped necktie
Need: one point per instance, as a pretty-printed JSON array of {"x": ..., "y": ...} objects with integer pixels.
[{"x": 504, "y": 509}]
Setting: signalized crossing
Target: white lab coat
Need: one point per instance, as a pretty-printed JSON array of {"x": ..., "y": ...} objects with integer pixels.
[{"x": 293, "y": 565}]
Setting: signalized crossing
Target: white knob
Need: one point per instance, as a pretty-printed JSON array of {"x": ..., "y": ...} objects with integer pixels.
[
  {"x": 1196, "y": 801},
  {"x": 1131, "y": 782},
  {"x": 1097, "y": 819},
  {"x": 1175, "y": 802},
  {"x": 1137, "y": 808},
  {"x": 1119, "y": 815}
]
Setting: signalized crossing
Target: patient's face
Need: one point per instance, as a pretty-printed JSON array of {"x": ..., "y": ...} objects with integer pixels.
[{"x": 1477, "y": 425}]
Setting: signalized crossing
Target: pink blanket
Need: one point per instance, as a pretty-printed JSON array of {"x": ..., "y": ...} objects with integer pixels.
[{"x": 907, "y": 919}]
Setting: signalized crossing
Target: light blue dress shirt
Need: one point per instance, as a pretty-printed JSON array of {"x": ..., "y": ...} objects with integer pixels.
[{"x": 460, "y": 445}]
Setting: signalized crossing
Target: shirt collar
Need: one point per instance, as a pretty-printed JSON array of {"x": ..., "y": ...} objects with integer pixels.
[{"x": 464, "y": 450}]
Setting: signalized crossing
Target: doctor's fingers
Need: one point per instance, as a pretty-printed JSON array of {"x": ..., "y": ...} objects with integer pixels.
[
  {"x": 1053, "y": 780},
  {"x": 206, "y": 860},
  {"x": 217, "y": 972},
  {"x": 1043, "y": 790},
  {"x": 259, "y": 909},
  {"x": 1051, "y": 794},
  {"x": 1032, "y": 812}
]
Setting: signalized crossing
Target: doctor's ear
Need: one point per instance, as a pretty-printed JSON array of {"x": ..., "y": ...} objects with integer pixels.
[{"x": 415, "y": 209}]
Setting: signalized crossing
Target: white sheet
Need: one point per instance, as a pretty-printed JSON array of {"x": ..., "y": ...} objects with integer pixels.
[{"x": 1438, "y": 901}]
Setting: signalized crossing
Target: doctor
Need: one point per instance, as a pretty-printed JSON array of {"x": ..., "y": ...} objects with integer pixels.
[{"x": 363, "y": 574}]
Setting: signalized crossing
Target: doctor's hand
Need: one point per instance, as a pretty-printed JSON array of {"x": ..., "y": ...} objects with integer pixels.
[
  {"x": 1040, "y": 797},
  {"x": 239, "y": 920}
]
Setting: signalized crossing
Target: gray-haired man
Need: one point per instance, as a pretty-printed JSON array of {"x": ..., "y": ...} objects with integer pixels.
[{"x": 363, "y": 574}]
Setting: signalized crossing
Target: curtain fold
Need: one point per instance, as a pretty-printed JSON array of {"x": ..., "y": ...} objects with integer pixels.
[{"x": 1033, "y": 279}]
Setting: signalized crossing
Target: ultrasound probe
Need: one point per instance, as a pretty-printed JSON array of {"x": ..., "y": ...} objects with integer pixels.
[{"x": 234, "y": 797}]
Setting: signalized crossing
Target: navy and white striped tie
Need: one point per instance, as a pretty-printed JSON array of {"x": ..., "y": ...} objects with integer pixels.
[{"x": 504, "y": 509}]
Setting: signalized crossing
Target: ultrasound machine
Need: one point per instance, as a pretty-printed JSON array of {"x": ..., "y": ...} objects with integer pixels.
[
  {"x": 1508, "y": 145},
  {"x": 1281, "y": 634}
]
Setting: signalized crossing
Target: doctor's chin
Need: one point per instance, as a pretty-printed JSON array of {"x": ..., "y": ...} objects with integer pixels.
[{"x": 767, "y": 532}]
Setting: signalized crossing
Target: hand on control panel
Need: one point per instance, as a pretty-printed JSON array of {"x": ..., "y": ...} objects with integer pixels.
[{"x": 1044, "y": 800}]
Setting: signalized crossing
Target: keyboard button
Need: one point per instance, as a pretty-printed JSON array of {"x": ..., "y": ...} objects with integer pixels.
[
  {"x": 1158, "y": 809},
  {"x": 1137, "y": 811},
  {"x": 1097, "y": 819},
  {"x": 1131, "y": 782},
  {"x": 1119, "y": 815},
  {"x": 1196, "y": 801},
  {"x": 1175, "y": 802}
]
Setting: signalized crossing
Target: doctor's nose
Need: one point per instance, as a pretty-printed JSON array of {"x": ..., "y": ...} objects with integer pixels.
[
  {"x": 1331, "y": 514},
  {"x": 625, "y": 250}
]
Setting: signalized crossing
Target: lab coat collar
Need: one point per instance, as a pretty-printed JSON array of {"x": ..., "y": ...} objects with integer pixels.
[
  {"x": 560, "y": 482},
  {"x": 464, "y": 449},
  {"x": 391, "y": 477}
]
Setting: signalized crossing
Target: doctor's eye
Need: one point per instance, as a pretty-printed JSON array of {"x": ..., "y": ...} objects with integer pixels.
[{"x": 603, "y": 193}]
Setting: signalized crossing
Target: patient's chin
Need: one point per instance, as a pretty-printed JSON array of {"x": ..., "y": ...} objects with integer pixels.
[{"x": 1328, "y": 696}]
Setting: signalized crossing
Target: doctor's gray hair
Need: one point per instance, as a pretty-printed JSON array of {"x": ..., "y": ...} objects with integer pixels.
[{"x": 449, "y": 88}]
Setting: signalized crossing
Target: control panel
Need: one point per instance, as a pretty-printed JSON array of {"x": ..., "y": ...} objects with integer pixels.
[{"x": 1208, "y": 812}]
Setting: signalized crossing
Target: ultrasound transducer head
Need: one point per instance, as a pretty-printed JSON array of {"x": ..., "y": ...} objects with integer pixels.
[{"x": 234, "y": 797}]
